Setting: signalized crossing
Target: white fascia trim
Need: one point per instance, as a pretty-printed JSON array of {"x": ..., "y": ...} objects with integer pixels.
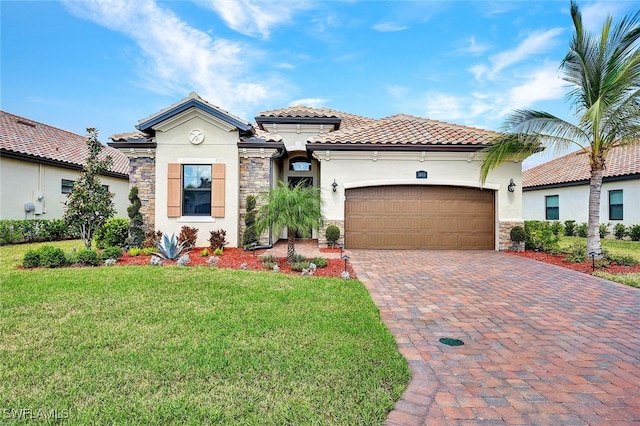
[{"x": 451, "y": 182}]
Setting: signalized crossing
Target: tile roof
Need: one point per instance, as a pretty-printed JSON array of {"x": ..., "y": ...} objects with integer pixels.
[
  {"x": 407, "y": 130},
  {"x": 27, "y": 137},
  {"x": 300, "y": 111},
  {"x": 574, "y": 167}
]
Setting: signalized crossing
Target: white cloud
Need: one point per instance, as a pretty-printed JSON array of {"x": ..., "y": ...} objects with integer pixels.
[
  {"x": 474, "y": 48},
  {"x": 255, "y": 17},
  {"x": 535, "y": 43},
  {"x": 183, "y": 59},
  {"x": 594, "y": 15},
  {"x": 310, "y": 102},
  {"x": 441, "y": 106},
  {"x": 541, "y": 85},
  {"x": 386, "y": 27}
]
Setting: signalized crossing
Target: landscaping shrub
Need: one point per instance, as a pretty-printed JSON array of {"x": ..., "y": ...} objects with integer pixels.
[
  {"x": 217, "y": 239},
  {"x": 31, "y": 259},
  {"x": 148, "y": 250},
  {"x": 619, "y": 231},
  {"x": 114, "y": 232},
  {"x": 134, "y": 251},
  {"x": 250, "y": 236},
  {"x": 557, "y": 227},
  {"x": 204, "y": 252},
  {"x": 540, "y": 236},
  {"x": 87, "y": 257},
  {"x": 622, "y": 259},
  {"x": 111, "y": 253},
  {"x": 333, "y": 235},
  {"x": 34, "y": 230},
  {"x": 297, "y": 258},
  {"x": 517, "y": 234},
  {"x": 320, "y": 262},
  {"x": 604, "y": 230},
  {"x": 299, "y": 266},
  {"x": 52, "y": 257},
  {"x": 268, "y": 259},
  {"x": 170, "y": 248},
  {"x": 136, "y": 221},
  {"x": 634, "y": 232},
  {"x": 151, "y": 239},
  {"x": 188, "y": 236},
  {"x": 577, "y": 253},
  {"x": 582, "y": 230},
  {"x": 569, "y": 228}
]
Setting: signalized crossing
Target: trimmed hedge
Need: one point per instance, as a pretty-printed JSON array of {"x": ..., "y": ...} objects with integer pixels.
[{"x": 35, "y": 231}]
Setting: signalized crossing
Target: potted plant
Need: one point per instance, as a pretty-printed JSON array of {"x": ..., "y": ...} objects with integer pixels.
[{"x": 518, "y": 237}]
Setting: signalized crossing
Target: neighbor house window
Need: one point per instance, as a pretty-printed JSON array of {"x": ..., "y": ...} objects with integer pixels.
[
  {"x": 615, "y": 204},
  {"x": 552, "y": 204},
  {"x": 196, "y": 190},
  {"x": 67, "y": 186}
]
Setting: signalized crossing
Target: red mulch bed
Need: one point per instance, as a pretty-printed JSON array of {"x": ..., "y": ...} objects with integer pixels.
[
  {"x": 558, "y": 259},
  {"x": 233, "y": 258}
]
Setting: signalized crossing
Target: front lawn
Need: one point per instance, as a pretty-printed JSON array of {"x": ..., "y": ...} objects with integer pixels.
[
  {"x": 615, "y": 247},
  {"x": 198, "y": 345}
]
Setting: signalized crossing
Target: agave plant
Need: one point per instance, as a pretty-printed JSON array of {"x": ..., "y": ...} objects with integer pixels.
[{"x": 170, "y": 248}]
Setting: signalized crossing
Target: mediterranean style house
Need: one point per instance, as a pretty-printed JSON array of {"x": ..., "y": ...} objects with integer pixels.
[
  {"x": 559, "y": 189},
  {"x": 399, "y": 182},
  {"x": 39, "y": 164}
]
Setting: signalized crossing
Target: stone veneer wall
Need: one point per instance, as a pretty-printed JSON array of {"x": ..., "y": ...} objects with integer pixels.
[
  {"x": 322, "y": 232},
  {"x": 142, "y": 173},
  {"x": 255, "y": 179},
  {"x": 504, "y": 242}
]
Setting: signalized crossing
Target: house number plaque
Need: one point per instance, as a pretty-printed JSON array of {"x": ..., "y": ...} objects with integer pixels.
[{"x": 421, "y": 174}]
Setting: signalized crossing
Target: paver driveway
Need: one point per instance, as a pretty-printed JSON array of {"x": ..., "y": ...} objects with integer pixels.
[{"x": 542, "y": 344}]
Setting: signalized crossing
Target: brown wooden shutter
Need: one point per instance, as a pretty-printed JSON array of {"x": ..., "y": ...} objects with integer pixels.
[
  {"x": 174, "y": 190},
  {"x": 217, "y": 189}
]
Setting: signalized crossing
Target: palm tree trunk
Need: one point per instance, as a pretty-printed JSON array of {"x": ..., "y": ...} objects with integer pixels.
[
  {"x": 291, "y": 244},
  {"x": 593, "y": 237}
]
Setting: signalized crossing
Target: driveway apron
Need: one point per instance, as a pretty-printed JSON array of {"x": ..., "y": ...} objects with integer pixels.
[{"x": 542, "y": 344}]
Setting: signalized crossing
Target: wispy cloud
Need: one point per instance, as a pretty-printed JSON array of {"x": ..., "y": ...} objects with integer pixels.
[
  {"x": 388, "y": 27},
  {"x": 255, "y": 17},
  {"x": 182, "y": 59},
  {"x": 310, "y": 102},
  {"x": 594, "y": 14},
  {"x": 473, "y": 47},
  {"x": 542, "y": 84}
]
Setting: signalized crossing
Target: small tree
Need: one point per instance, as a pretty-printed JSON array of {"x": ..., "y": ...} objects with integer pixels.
[
  {"x": 90, "y": 204},
  {"x": 136, "y": 230},
  {"x": 250, "y": 237},
  {"x": 297, "y": 209}
]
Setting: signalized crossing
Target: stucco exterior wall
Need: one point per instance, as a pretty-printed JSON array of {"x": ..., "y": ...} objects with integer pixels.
[
  {"x": 219, "y": 146},
  {"x": 22, "y": 181},
  {"x": 353, "y": 169},
  {"x": 574, "y": 202}
]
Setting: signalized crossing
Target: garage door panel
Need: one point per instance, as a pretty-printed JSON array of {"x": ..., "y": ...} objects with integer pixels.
[{"x": 419, "y": 217}]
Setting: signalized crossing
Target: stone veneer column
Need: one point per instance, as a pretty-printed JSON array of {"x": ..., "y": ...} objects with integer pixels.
[
  {"x": 504, "y": 239},
  {"x": 142, "y": 173},
  {"x": 322, "y": 232},
  {"x": 255, "y": 179}
]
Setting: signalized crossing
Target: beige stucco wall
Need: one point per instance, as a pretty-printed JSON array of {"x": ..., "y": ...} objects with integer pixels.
[
  {"x": 353, "y": 169},
  {"x": 22, "y": 182},
  {"x": 219, "y": 146},
  {"x": 574, "y": 202}
]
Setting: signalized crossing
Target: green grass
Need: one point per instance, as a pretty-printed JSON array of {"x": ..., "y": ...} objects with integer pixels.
[
  {"x": 632, "y": 280},
  {"x": 171, "y": 345},
  {"x": 615, "y": 247}
]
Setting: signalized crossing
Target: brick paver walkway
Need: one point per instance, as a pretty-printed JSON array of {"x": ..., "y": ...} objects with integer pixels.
[{"x": 542, "y": 344}]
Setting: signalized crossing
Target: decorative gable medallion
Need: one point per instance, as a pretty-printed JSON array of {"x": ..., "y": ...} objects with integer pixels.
[{"x": 196, "y": 136}]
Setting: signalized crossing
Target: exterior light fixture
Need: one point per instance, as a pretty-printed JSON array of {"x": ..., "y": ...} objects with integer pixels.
[
  {"x": 511, "y": 186},
  {"x": 334, "y": 185}
]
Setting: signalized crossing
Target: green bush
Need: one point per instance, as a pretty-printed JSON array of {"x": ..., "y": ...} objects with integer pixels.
[
  {"x": 87, "y": 257},
  {"x": 619, "y": 231},
  {"x": 31, "y": 259},
  {"x": 604, "y": 230},
  {"x": 622, "y": 259},
  {"x": 634, "y": 232},
  {"x": 52, "y": 257},
  {"x": 582, "y": 230},
  {"x": 577, "y": 253},
  {"x": 34, "y": 230},
  {"x": 299, "y": 266},
  {"x": 540, "y": 236},
  {"x": 114, "y": 233},
  {"x": 569, "y": 228},
  {"x": 111, "y": 253},
  {"x": 297, "y": 258},
  {"x": 268, "y": 259},
  {"x": 333, "y": 235},
  {"x": 320, "y": 262},
  {"x": 517, "y": 234}
]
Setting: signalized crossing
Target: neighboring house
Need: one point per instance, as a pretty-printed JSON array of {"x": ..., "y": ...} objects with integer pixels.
[
  {"x": 559, "y": 189},
  {"x": 39, "y": 164},
  {"x": 396, "y": 182}
]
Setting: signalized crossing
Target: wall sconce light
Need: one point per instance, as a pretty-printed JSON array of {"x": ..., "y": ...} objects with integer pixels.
[
  {"x": 334, "y": 185},
  {"x": 511, "y": 186}
]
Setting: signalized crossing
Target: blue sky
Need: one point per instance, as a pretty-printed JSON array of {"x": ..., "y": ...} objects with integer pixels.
[{"x": 108, "y": 64}]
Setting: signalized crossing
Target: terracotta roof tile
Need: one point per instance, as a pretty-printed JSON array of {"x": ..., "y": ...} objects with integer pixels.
[
  {"x": 299, "y": 111},
  {"x": 405, "y": 129},
  {"x": 24, "y": 136},
  {"x": 574, "y": 167}
]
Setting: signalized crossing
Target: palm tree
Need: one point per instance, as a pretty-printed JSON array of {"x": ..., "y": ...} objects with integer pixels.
[
  {"x": 297, "y": 209},
  {"x": 604, "y": 75}
]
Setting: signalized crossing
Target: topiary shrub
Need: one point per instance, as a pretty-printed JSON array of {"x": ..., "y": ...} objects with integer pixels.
[
  {"x": 250, "y": 236},
  {"x": 87, "y": 257},
  {"x": 52, "y": 257},
  {"x": 114, "y": 232},
  {"x": 333, "y": 235},
  {"x": 136, "y": 222},
  {"x": 31, "y": 259},
  {"x": 188, "y": 236},
  {"x": 619, "y": 231},
  {"x": 569, "y": 228},
  {"x": 517, "y": 234},
  {"x": 634, "y": 232}
]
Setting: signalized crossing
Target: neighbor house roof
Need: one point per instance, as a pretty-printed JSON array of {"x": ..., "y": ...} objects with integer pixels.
[
  {"x": 298, "y": 113},
  {"x": 29, "y": 140},
  {"x": 407, "y": 132},
  {"x": 574, "y": 168}
]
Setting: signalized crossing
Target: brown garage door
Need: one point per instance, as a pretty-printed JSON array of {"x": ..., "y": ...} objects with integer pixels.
[{"x": 419, "y": 217}]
